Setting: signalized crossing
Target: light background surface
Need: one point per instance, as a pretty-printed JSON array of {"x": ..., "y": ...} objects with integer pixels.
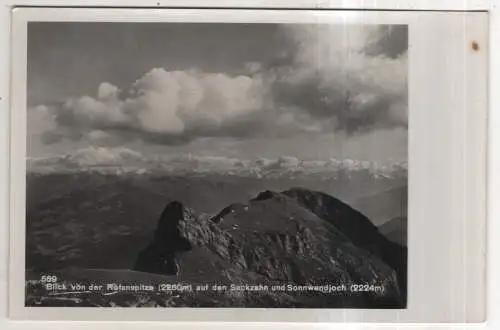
[{"x": 493, "y": 180}]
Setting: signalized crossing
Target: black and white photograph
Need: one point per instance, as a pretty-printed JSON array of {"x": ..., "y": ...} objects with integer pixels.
[{"x": 235, "y": 165}]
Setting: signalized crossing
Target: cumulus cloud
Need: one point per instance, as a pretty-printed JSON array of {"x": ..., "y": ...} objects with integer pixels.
[
  {"x": 41, "y": 125},
  {"x": 350, "y": 79},
  {"x": 98, "y": 136},
  {"x": 165, "y": 104},
  {"x": 335, "y": 79},
  {"x": 107, "y": 91}
]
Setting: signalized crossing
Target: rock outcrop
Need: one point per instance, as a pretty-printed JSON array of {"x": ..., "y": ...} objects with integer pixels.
[
  {"x": 160, "y": 255},
  {"x": 297, "y": 236}
]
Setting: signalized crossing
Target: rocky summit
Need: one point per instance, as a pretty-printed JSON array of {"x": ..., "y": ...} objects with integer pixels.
[
  {"x": 159, "y": 256},
  {"x": 295, "y": 237}
]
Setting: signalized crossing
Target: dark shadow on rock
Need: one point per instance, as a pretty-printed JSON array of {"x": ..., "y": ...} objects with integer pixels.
[{"x": 159, "y": 256}]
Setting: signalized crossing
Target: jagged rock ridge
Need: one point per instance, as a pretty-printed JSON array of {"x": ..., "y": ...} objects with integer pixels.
[{"x": 297, "y": 236}]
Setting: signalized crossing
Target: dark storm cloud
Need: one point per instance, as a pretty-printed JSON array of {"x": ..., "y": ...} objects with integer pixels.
[
  {"x": 389, "y": 40},
  {"x": 353, "y": 83},
  {"x": 340, "y": 108}
]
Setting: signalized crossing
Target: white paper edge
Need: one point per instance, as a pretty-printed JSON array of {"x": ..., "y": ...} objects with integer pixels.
[{"x": 283, "y": 4}]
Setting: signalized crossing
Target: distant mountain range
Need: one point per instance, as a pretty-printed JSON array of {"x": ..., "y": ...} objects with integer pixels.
[
  {"x": 121, "y": 161},
  {"x": 383, "y": 205}
]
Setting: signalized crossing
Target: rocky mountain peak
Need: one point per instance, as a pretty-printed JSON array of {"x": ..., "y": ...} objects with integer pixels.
[
  {"x": 298, "y": 235},
  {"x": 268, "y": 194},
  {"x": 169, "y": 239}
]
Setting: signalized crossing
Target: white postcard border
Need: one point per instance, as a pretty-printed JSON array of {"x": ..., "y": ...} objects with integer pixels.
[{"x": 447, "y": 167}]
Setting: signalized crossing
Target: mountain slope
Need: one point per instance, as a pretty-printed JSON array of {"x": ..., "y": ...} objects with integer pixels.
[
  {"x": 298, "y": 237},
  {"x": 272, "y": 239},
  {"x": 396, "y": 230},
  {"x": 358, "y": 228}
]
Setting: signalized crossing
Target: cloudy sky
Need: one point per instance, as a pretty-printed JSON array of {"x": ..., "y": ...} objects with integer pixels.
[{"x": 230, "y": 90}]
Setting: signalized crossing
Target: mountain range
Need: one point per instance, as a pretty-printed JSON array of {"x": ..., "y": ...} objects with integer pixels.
[
  {"x": 121, "y": 161},
  {"x": 297, "y": 236}
]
